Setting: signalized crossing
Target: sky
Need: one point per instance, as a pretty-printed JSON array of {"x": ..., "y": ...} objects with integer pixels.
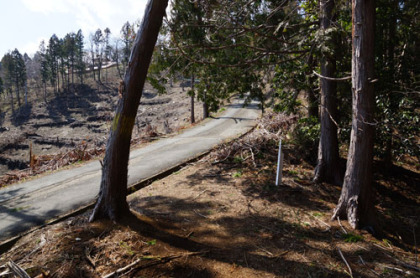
[{"x": 24, "y": 23}]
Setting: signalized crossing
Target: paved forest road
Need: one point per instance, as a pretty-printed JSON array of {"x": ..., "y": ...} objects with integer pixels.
[{"x": 30, "y": 204}]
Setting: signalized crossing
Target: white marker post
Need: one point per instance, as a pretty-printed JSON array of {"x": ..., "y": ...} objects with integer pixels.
[{"x": 279, "y": 175}]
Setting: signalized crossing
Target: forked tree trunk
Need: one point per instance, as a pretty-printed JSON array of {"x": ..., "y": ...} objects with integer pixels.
[
  {"x": 112, "y": 203},
  {"x": 356, "y": 202},
  {"x": 328, "y": 167}
]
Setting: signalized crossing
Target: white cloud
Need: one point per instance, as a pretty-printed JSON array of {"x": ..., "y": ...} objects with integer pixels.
[
  {"x": 32, "y": 47},
  {"x": 46, "y": 6},
  {"x": 92, "y": 14},
  {"x": 88, "y": 15}
]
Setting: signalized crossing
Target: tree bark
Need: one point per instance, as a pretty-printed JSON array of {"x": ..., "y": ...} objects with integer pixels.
[
  {"x": 328, "y": 167},
  {"x": 112, "y": 203},
  {"x": 356, "y": 202},
  {"x": 205, "y": 105},
  {"x": 192, "y": 99}
]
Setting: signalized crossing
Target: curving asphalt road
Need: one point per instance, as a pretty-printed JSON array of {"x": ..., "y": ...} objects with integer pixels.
[{"x": 29, "y": 204}]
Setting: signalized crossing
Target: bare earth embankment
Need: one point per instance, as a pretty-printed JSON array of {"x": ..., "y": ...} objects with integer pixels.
[{"x": 73, "y": 126}]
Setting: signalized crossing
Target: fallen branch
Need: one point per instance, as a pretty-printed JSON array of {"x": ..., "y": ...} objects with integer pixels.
[
  {"x": 123, "y": 269},
  {"x": 326, "y": 224},
  {"x": 17, "y": 270},
  {"x": 272, "y": 127},
  {"x": 397, "y": 269},
  {"x": 131, "y": 267},
  {"x": 201, "y": 193},
  {"x": 202, "y": 215},
  {"x": 345, "y": 261},
  {"x": 404, "y": 264},
  {"x": 339, "y": 222},
  {"x": 373, "y": 271}
]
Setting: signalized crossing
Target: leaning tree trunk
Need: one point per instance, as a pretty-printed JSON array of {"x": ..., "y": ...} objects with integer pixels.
[
  {"x": 112, "y": 203},
  {"x": 328, "y": 167},
  {"x": 356, "y": 202}
]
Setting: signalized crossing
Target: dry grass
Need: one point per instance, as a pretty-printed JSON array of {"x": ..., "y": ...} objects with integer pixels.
[{"x": 226, "y": 219}]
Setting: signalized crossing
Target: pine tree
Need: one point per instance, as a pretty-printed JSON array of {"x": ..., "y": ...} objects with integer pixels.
[
  {"x": 98, "y": 40},
  {"x": 44, "y": 69},
  {"x": 53, "y": 53},
  {"x": 14, "y": 71},
  {"x": 107, "y": 50},
  {"x": 69, "y": 52},
  {"x": 80, "y": 64},
  {"x": 127, "y": 36}
]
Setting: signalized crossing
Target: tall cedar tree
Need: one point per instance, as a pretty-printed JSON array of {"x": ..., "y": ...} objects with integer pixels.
[
  {"x": 98, "y": 39},
  {"x": 53, "y": 61},
  {"x": 80, "y": 64},
  {"x": 14, "y": 70},
  {"x": 112, "y": 203},
  {"x": 328, "y": 167},
  {"x": 356, "y": 202}
]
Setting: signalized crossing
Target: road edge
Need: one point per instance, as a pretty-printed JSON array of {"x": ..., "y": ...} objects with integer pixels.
[{"x": 8, "y": 244}]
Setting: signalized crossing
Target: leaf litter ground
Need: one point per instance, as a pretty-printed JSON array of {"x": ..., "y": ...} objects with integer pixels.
[{"x": 223, "y": 217}]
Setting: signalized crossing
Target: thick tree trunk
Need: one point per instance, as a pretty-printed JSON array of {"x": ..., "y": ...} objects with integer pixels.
[
  {"x": 112, "y": 203},
  {"x": 205, "y": 106},
  {"x": 328, "y": 168},
  {"x": 356, "y": 202},
  {"x": 192, "y": 99}
]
